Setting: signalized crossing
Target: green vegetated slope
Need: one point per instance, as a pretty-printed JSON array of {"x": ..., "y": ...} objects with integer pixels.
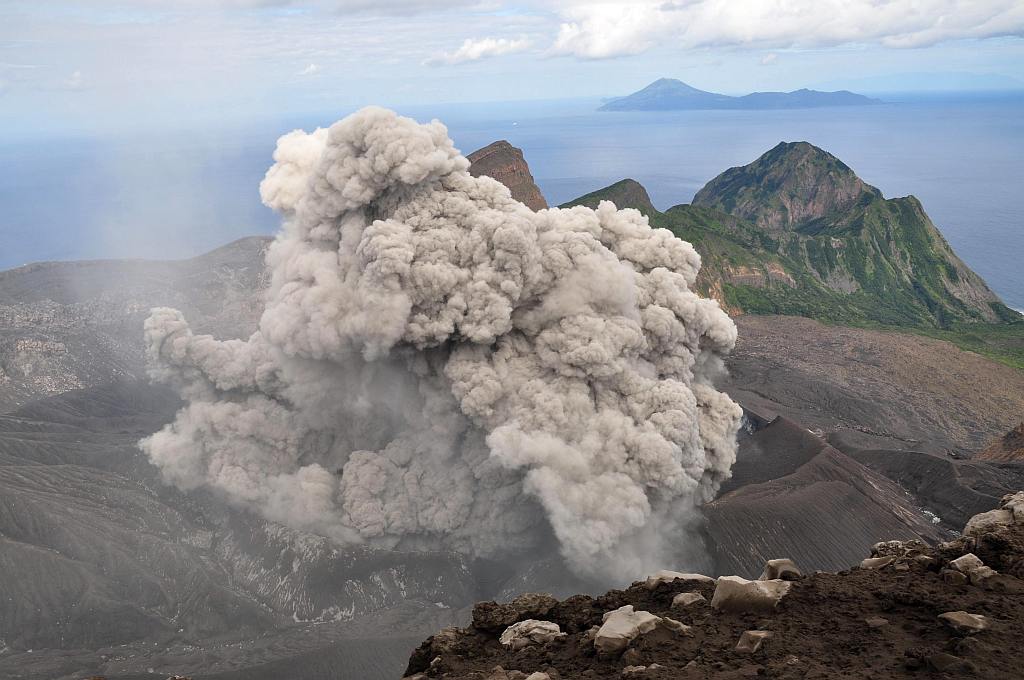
[{"x": 797, "y": 232}]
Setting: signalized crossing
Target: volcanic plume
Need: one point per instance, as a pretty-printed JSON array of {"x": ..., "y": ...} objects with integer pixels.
[{"x": 439, "y": 366}]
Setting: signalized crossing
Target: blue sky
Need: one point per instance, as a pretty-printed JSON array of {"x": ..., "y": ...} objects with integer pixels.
[{"x": 88, "y": 65}]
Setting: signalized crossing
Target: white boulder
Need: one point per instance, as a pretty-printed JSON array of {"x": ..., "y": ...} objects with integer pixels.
[
  {"x": 737, "y": 594},
  {"x": 530, "y": 632},
  {"x": 621, "y": 627}
]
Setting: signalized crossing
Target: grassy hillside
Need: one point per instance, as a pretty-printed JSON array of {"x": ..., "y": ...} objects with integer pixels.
[{"x": 806, "y": 237}]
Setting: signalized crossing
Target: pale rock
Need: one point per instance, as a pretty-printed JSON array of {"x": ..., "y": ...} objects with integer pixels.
[
  {"x": 621, "y": 627},
  {"x": 987, "y": 521},
  {"x": 784, "y": 569},
  {"x": 965, "y": 563},
  {"x": 530, "y": 632},
  {"x": 683, "y": 600},
  {"x": 1014, "y": 502},
  {"x": 963, "y": 622},
  {"x": 664, "y": 576},
  {"x": 876, "y": 562},
  {"x": 876, "y": 622},
  {"x": 676, "y": 627},
  {"x": 752, "y": 640},
  {"x": 979, "y": 575},
  {"x": 737, "y": 594}
]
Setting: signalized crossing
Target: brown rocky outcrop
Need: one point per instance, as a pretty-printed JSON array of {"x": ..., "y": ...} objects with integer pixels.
[{"x": 505, "y": 163}]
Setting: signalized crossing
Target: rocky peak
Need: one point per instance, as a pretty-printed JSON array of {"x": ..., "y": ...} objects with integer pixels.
[
  {"x": 790, "y": 186},
  {"x": 505, "y": 163}
]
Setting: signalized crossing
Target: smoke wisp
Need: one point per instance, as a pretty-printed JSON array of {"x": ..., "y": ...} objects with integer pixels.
[{"x": 439, "y": 366}]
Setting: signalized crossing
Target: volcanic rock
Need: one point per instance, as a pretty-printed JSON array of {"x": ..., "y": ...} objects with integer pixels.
[
  {"x": 657, "y": 578},
  {"x": 505, "y": 163},
  {"x": 876, "y": 562},
  {"x": 752, "y": 640},
  {"x": 683, "y": 600},
  {"x": 954, "y": 578},
  {"x": 621, "y": 627},
  {"x": 784, "y": 569},
  {"x": 530, "y": 632},
  {"x": 494, "y": 616},
  {"x": 736, "y": 594},
  {"x": 963, "y": 622},
  {"x": 966, "y": 563}
]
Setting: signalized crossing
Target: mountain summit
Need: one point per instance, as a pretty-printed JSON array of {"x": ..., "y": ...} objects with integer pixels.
[
  {"x": 668, "y": 94},
  {"x": 789, "y": 187}
]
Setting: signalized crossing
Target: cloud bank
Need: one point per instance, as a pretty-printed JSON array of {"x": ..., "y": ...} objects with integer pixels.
[
  {"x": 437, "y": 366},
  {"x": 598, "y": 30}
]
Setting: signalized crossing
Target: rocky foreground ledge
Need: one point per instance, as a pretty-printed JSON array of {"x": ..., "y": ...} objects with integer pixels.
[{"x": 908, "y": 610}]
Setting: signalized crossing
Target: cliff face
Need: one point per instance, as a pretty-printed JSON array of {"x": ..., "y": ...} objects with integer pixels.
[{"x": 505, "y": 163}]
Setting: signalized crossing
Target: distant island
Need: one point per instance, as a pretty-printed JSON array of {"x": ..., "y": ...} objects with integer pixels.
[{"x": 668, "y": 94}]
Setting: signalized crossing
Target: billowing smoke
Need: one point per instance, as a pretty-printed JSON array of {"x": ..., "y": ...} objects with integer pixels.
[{"x": 439, "y": 366}]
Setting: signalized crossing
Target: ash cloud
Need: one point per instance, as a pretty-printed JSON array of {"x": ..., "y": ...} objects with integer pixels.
[{"x": 438, "y": 366}]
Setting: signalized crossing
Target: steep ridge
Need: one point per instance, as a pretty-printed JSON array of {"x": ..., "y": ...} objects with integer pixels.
[
  {"x": 505, "y": 163},
  {"x": 793, "y": 494}
]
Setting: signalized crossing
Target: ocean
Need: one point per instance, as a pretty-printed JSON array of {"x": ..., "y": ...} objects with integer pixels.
[{"x": 175, "y": 194}]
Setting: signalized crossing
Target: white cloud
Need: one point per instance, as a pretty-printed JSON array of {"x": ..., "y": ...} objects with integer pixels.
[
  {"x": 600, "y": 29},
  {"x": 474, "y": 50},
  {"x": 769, "y": 59},
  {"x": 310, "y": 70}
]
